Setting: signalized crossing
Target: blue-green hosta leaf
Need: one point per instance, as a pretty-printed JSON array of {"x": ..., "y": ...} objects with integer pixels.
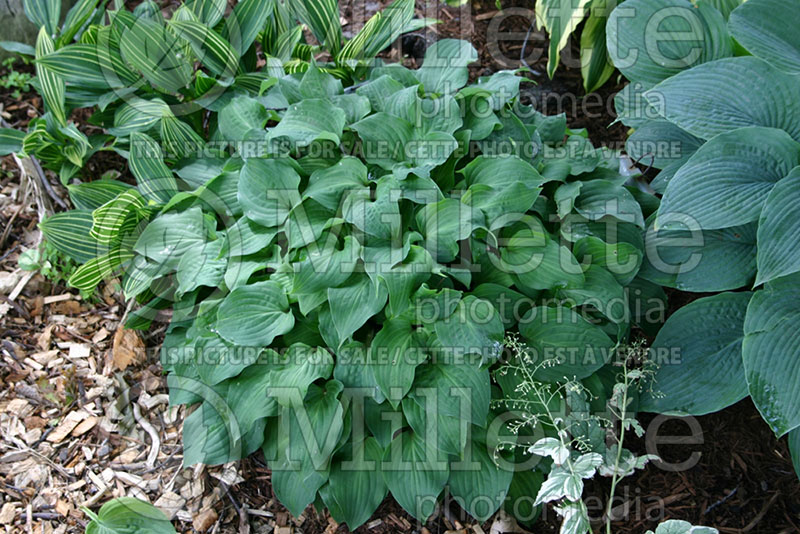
[
  {"x": 461, "y": 387},
  {"x": 444, "y": 224},
  {"x": 794, "y": 449},
  {"x": 255, "y": 314},
  {"x": 169, "y": 236},
  {"x": 125, "y": 513},
  {"x": 622, "y": 259},
  {"x": 146, "y": 162},
  {"x": 242, "y": 115},
  {"x": 268, "y": 190},
  {"x": 356, "y": 486},
  {"x": 444, "y": 69},
  {"x": 603, "y": 292},
  {"x": 481, "y": 482},
  {"x": 651, "y": 40},
  {"x": 157, "y": 53},
  {"x": 560, "y": 18},
  {"x": 538, "y": 262},
  {"x": 447, "y": 432},
  {"x": 440, "y": 114},
  {"x": 779, "y": 231},
  {"x": 297, "y": 369},
  {"x": 474, "y": 328},
  {"x": 315, "y": 424},
  {"x": 310, "y": 120},
  {"x": 69, "y": 232},
  {"x": 394, "y": 356},
  {"x": 500, "y": 172},
  {"x": 767, "y": 29},
  {"x": 577, "y": 347},
  {"x": 691, "y": 99},
  {"x": 378, "y": 90},
  {"x": 348, "y": 318},
  {"x": 246, "y": 237},
  {"x": 664, "y": 146},
  {"x": 771, "y": 353},
  {"x": 699, "y": 356},
  {"x": 325, "y": 265},
  {"x": 414, "y": 474},
  {"x": 201, "y": 266},
  {"x": 702, "y": 261},
  {"x": 404, "y": 278},
  {"x": 601, "y": 198},
  {"x": 726, "y": 182},
  {"x": 379, "y": 218},
  {"x": 328, "y": 186}
]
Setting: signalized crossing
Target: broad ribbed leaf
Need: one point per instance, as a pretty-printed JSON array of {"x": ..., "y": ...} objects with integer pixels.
[
  {"x": 212, "y": 50},
  {"x": 356, "y": 484},
  {"x": 481, "y": 484},
  {"x": 146, "y": 162},
  {"x": 444, "y": 69},
  {"x": 170, "y": 235},
  {"x": 240, "y": 116},
  {"x": 255, "y": 314},
  {"x": 771, "y": 353},
  {"x": 127, "y": 513},
  {"x": 394, "y": 356},
  {"x": 726, "y": 182},
  {"x": 664, "y": 146},
  {"x": 157, "y": 54},
  {"x": 51, "y": 85},
  {"x": 268, "y": 190},
  {"x": 69, "y": 232},
  {"x": 651, "y": 40},
  {"x": 310, "y": 120},
  {"x": 10, "y": 141},
  {"x": 692, "y": 99},
  {"x": 43, "y": 13},
  {"x": 474, "y": 328},
  {"x": 348, "y": 318},
  {"x": 779, "y": 231},
  {"x": 414, "y": 474},
  {"x": 768, "y": 29},
  {"x": 699, "y": 357}
]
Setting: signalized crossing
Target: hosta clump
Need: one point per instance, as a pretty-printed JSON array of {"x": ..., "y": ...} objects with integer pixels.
[
  {"x": 341, "y": 283},
  {"x": 725, "y": 132}
]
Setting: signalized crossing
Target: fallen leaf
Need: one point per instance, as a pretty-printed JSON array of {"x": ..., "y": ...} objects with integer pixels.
[
  {"x": 127, "y": 349},
  {"x": 204, "y": 520}
]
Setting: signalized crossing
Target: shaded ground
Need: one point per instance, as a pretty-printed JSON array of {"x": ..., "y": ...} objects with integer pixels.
[{"x": 75, "y": 429}]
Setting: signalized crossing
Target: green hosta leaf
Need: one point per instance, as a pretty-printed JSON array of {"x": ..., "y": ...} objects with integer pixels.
[
  {"x": 297, "y": 369},
  {"x": 461, "y": 387},
  {"x": 651, "y": 40},
  {"x": 691, "y": 99},
  {"x": 240, "y": 116},
  {"x": 394, "y": 356},
  {"x": 213, "y": 51},
  {"x": 379, "y": 218},
  {"x": 500, "y": 172},
  {"x": 578, "y": 347},
  {"x": 444, "y": 224},
  {"x": 268, "y": 190},
  {"x": 664, "y": 146},
  {"x": 315, "y": 425},
  {"x": 246, "y": 237},
  {"x": 621, "y": 259},
  {"x": 157, "y": 54},
  {"x": 779, "y": 231},
  {"x": 10, "y": 141},
  {"x": 710, "y": 260},
  {"x": 308, "y": 121},
  {"x": 348, "y": 318},
  {"x": 328, "y": 186},
  {"x": 414, "y": 475},
  {"x": 146, "y": 162},
  {"x": 356, "y": 485},
  {"x": 51, "y": 85},
  {"x": 767, "y": 29},
  {"x": 43, "y": 13},
  {"x": 538, "y": 262},
  {"x": 560, "y": 18},
  {"x": 201, "y": 266},
  {"x": 479, "y": 484},
  {"x": 444, "y": 70},
  {"x": 770, "y": 353},
  {"x": 440, "y": 114},
  {"x": 448, "y": 433},
  {"x": 167, "y": 238},
  {"x": 600, "y": 198},
  {"x": 254, "y": 314},
  {"x": 405, "y": 278},
  {"x": 125, "y": 513},
  {"x": 794, "y": 449},
  {"x": 474, "y": 328},
  {"x": 699, "y": 356},
  {"x": 726, "y": 182},
  {"x": 69, "y": 232},
  {"x": 325, "y": 266}
]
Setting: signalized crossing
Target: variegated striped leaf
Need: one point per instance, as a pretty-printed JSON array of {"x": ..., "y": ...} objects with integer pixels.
[
  {"x": 10, "y": 141},
  {"x": 285, "y": 43},
  {"x": 179, "y": 138},
  {"x": 75, "y": 19},
  {"x": 208, "y": 12},
  {"x": 146, "y": 162},
  {"x": 114, "y": 69},
  {"x": 138, "y": 115},
  {"x": 50, "y": 84},
  {"x": 157, "y": 53},
  {"x": 94, "y": 271},
  {"x": 211, "y": 49},
  {"x": 92, "y": 195},
  {"x": 248, "y": 19},
  {"x": 118, "y": 217},
  {"x": 78, "y": 64},
  {"x": 43, "y": 13},
  {"x": 69, "y": 232},
  {"x": 322, "y": 17}
]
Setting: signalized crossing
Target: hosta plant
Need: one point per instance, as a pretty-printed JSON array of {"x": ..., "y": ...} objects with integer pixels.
[
  {"x": 341, "y": 279},
  {"x": 719, "y": 114}
]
